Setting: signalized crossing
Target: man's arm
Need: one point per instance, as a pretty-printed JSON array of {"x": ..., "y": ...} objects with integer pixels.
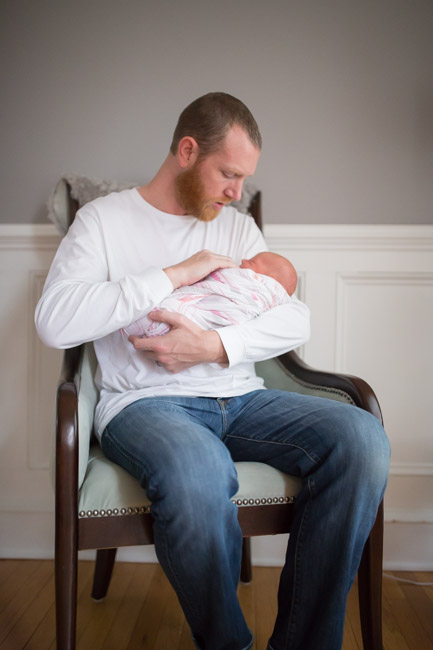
[
  {"x": 185, "y": 345},
  {"x": 79, "y": 302},
  {"x": 278, "y": 330},
  {"x": 197, "y": 267}
]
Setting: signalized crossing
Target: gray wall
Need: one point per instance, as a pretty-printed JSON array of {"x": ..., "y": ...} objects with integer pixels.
[{"x": 342, "y": 90}]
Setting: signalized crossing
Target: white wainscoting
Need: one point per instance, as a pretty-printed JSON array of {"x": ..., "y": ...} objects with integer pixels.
[{"x": 370, "y": 290}]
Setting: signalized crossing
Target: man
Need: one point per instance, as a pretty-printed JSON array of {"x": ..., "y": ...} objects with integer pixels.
[{"x": 179, "y": 433}]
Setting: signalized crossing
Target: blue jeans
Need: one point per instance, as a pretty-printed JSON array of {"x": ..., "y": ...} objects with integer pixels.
[{"x": 182, "y": 451}]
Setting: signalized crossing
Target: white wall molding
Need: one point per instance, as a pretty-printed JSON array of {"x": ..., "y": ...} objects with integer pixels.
[
  {"x": 293, "y": 236},
  {"x": 342, "y": 270},
  {"x": 405, "y": 516},
  {"x": 29, "y": 236},
  {"x": 334, "y": 237},
  {"x": 411, "y": 469},
  {"x": 40, "y": 360},
  {"x": 382, "y": 280}
]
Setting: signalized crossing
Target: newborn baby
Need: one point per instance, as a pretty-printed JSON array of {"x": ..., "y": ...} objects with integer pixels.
[{"x": 227, "y": 296}]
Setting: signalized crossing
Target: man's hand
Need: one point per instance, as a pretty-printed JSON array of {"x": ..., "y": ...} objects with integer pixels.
[
  {"x": 185, "y": 345},
  {"x": 196, "y": 267}
]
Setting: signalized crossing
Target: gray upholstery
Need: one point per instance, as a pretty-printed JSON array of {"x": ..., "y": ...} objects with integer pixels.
[{"x": 276, "y": 376}]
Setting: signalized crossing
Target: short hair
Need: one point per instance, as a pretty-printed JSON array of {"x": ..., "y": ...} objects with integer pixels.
[{"x": 208, "y": 118}]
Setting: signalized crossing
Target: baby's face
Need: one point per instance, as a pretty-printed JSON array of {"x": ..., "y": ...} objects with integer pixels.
[
  {"x": 256, "y": 264},
  {"x": 246, "y": 264}
]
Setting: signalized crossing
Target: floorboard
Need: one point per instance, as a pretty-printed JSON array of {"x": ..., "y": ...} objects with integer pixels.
[{"x": 141, "y": 611}]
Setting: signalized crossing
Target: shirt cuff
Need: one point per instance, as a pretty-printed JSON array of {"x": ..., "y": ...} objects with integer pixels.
[
  {"x": 233, "y": 344},
  {"x": 158, "y": 284}
]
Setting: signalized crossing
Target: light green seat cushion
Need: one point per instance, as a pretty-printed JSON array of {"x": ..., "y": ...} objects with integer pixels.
[{"x": 110, "y": 490}]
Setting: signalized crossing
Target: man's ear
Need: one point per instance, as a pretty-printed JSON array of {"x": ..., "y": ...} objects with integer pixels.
[{"x": 187, "y": 152}]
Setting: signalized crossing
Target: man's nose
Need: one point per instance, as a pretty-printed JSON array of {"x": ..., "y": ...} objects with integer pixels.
[{"x": 234, "y": 191}]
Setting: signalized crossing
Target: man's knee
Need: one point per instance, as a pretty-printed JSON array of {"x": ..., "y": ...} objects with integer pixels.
[{"x": 366, "y": 449}]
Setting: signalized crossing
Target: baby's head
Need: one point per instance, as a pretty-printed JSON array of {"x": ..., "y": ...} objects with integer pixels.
[{"x": 276, "y": 266}]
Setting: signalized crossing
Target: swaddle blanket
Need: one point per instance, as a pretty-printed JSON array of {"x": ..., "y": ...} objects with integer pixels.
[{"x": 225, "y": 297}]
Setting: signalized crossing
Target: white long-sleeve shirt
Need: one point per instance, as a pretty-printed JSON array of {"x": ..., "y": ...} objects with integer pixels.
[{"x": 107, "y": 273}]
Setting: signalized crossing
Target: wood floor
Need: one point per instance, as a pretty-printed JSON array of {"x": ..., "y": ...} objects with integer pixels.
[{"x": 141, "y": 610}]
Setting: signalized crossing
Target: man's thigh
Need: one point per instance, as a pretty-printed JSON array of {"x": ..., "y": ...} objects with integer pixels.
[
  {"x": 168, "y": 438},
  {"x": 295, "y": 432}
]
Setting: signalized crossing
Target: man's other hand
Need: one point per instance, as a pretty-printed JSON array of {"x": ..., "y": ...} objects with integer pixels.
[
  {"x": 185, "y": 345},
  {"x": 197, "y": 267}
]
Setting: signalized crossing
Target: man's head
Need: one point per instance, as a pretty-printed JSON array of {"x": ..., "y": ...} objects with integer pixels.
[
  {"x": 217, "y": 145},
  {"x": 209, "y": 118}
]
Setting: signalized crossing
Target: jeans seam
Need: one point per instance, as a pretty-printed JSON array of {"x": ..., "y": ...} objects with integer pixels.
[
  {"x": 222, "y": 407},
  {"x": 291, "y": 622},
  {"x": 274, "y": 442},
  {"x": 251, "y": 643},
  {"x": 179, "y": 584}
]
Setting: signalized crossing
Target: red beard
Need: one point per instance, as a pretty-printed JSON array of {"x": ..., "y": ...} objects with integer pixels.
[{"x": 191, "y": 196}]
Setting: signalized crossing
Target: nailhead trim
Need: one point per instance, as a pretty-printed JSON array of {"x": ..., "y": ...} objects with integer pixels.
[
  {"x": 146, "y": 509},
  {"x": 115, "y": 512},
  {"x": 263, "y": 501}
]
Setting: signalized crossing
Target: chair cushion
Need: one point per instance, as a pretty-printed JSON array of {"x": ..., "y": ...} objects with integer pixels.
[{"x": 109, "y": 490}]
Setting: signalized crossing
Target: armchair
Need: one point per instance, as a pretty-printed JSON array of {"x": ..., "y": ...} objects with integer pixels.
[{"x": 100, "y": 506}]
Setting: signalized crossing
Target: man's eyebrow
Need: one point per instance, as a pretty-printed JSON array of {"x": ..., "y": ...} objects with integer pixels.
[{"x": 234, "y": 171}]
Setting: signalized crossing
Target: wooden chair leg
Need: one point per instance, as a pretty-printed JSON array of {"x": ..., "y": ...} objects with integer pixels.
[
  {"x": 246, "y": 571},
  {"x": 66, "y": 575},
  {"x": 370, "y": 586},
  {"x": 103, "y": 569}
]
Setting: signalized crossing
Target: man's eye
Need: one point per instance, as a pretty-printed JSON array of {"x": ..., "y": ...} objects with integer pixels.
[{"x": 229, "y": 175}]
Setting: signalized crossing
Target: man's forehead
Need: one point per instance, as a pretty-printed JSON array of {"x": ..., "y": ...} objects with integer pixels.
[{"x": 238, "y": 154}]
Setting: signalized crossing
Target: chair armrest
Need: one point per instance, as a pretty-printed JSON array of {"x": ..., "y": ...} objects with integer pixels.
[
  {"x": 77, "y": 375},
  {"x": 360, "y": 393},
  {"x": 66, "y": 464}
]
